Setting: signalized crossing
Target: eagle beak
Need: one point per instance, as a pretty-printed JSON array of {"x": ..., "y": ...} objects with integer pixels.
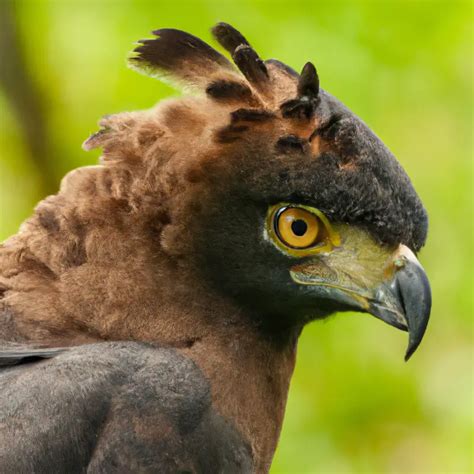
[
  {"x": 400, "y": 294},
  {"x": 404, "y": 301}
]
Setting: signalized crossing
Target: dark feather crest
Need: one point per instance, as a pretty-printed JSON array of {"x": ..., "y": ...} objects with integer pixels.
[
  {"x": 181, "y": 56},
  {"x": 193, "y": 62},
  {"x": 250, "y": 64},
  {"x": 244, "y": 56},
  {"x": 228, "y": 37},
  {"x": 308, "y": 84},
  {"x": 305, "y": 104}
]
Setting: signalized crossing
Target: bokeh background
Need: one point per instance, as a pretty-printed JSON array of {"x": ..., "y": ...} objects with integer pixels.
[{"x": 405, "y": 67}]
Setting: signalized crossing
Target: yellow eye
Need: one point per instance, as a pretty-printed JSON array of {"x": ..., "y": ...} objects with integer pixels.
[
  {"x": 300, "y": 230},
  {"x": 297, "y": 227}
]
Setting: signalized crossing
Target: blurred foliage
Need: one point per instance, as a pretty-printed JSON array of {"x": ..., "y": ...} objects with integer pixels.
[{"x": 405, "y": 67}]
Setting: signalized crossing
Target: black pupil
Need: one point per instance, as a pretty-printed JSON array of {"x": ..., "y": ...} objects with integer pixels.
[{"x": 299, "y": 227}]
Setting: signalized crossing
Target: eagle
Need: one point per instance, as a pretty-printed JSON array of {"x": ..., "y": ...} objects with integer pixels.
[{"x": 150, "y": 310}]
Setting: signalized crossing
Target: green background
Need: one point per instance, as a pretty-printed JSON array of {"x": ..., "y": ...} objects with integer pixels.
[{"x": 406, "y": 69}]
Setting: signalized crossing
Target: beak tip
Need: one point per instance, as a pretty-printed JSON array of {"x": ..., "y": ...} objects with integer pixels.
[{"x": 410, "y": 351}]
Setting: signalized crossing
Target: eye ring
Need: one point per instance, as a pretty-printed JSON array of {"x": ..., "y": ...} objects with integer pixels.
[{"x": 299, "y": 230}]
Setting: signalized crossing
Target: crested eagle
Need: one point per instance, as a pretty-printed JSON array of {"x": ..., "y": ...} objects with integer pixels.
[{"x": 150, "y": 310}]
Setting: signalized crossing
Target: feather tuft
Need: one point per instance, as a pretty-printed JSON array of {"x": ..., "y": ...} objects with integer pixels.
[
  {"x": 308, "y": 84},
  {"x": 250, "y": 64},
  {"x": 179, "y": 56},
  {"x": 228, "y": 37}
]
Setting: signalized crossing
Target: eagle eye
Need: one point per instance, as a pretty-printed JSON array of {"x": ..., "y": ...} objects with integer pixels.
[
  {"x": 297, "y": 228},
  {"x": 300, "y": 230}
]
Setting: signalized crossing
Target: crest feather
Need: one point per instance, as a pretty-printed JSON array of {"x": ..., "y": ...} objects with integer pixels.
[
  {"x": 180, "y": 56},
  {"x": 228, "y": 37},
  {"x": 244, "y": 56}
]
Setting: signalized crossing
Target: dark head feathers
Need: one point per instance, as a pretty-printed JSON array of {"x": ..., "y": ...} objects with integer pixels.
[
  {"x": 244, "y": 56},
  {"x": 228, "y": 37},
  {"x": 308, "y": 84},
  {"x": 308, "y": 94},
  {"x": 251, "y": 66},
  {"x": 181, "y": 56},
  {"x": 192, "y": 62}
]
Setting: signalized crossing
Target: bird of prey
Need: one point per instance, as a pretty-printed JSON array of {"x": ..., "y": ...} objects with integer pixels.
[{"x": 150, "y": 310}]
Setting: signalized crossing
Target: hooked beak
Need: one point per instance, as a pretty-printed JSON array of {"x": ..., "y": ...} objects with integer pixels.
[{"x": 400, "y": 295}]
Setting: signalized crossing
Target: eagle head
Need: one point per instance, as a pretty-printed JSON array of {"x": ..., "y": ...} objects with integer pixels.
[{"x": 268, "y": 189}]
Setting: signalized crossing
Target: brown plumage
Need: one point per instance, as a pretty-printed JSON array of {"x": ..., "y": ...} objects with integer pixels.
[{"x": 162, "y": 242}]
